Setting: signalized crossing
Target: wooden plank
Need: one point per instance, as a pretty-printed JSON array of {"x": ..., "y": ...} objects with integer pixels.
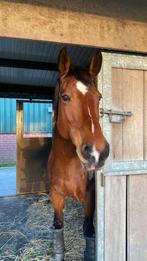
[
  {"x": 137, "y": 218},
  {"x": 133, "y": 126},
  {"x": 145, "y": 115},
  {"x": 115, "y": 218},
  {"x": 32, "y": 155},
  {"x": 54, "y": 22},
  {"x": 117, "y": 103}
]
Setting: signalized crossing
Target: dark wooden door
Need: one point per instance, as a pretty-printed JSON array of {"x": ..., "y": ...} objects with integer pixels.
[{"x": 32, "y": 155}]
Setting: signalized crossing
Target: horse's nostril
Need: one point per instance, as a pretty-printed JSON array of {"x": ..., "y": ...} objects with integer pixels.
[
  {"x": 86, "y": 150},
  {"x": 107, "y": 150},
  {"x": 104, "y": 154}
]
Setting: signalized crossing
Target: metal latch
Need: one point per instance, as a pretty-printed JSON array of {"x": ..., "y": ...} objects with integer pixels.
[{"x": 115, "y": 116}]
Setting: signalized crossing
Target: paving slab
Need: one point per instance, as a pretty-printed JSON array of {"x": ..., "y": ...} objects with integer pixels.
[{"x": 7, "y": 181}]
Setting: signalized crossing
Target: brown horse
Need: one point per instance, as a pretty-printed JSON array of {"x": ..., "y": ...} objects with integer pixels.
[{"x": 78, "y": 146}]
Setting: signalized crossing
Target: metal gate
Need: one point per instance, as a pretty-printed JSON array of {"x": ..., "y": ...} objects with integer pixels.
[{"x": 122, "y": 188}]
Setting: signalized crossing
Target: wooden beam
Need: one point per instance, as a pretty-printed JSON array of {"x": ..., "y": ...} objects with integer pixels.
[
  {"x": 26, "y": 91},
  {"x": 28, "y": 64},
  {"x": 49, "y": 23}
]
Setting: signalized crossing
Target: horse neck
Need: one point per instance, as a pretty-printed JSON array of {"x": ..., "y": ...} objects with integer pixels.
[{"x": 66, "y": 147}]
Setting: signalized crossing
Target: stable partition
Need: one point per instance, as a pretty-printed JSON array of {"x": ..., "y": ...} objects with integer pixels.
[{"x": 32, "y": 152}]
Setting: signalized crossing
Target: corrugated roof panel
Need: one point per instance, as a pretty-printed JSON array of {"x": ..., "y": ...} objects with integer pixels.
[
  {"x": 38, "y": 51},
  {"x": 41, "y": 51},
  {"x": 28, "y": 77}
]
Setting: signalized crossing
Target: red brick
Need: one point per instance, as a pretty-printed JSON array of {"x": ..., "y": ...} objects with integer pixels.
[{"x": 7, "y": 148}]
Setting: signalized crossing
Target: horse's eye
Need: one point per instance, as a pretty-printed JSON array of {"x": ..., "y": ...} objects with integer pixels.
[{"x": 66, "y": 98}]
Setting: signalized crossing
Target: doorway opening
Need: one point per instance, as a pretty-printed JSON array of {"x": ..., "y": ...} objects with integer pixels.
[
  {"x": 7, "y": 146},
  {"x": 37, "y": 123}
]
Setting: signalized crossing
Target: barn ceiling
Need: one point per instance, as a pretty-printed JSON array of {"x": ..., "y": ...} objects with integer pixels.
[
  {"x": 31, "y": 66},
  {"x": 134, "y": 10}
]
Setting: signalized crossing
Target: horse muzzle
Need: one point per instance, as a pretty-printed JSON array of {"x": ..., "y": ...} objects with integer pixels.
[{"x": 92, "y": 158}]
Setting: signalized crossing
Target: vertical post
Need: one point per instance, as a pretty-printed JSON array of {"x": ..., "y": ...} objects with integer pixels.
[
  {"x": 19, "y": 136},
  {"x": 19, "y": 119},
  {"x": 99, "y": 196}
]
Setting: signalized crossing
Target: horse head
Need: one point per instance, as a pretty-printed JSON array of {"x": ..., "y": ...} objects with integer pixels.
[{"x": 78, "y": 110}]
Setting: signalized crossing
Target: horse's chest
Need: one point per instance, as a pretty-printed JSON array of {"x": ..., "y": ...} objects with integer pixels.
[
  {"x": 69, "y": 179},
  {"x": 76, "y": 185}
]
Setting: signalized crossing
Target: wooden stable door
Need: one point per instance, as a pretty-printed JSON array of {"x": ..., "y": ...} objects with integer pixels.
[
  {"x": 32, "y": 155},
  {"x": 126, "y": 195},
  {"x": 129, "y": 193},
  {"x": 129, "y": 93},
  {"x": 125, "y": 184}
]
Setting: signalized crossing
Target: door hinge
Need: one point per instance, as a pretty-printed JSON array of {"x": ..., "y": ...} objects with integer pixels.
[{"x": 102, "y": 180}]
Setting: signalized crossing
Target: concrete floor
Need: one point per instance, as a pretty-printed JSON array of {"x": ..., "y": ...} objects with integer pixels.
[{"x": 7, "y": 181}]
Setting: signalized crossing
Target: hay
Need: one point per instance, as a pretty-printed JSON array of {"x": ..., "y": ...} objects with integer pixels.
[{"x": 30, "y": 237}]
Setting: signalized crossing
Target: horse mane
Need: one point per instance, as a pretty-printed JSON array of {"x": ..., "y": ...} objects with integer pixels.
[
  {"x": 55, "y": 103},
  {"x": 82, "y": 75}
]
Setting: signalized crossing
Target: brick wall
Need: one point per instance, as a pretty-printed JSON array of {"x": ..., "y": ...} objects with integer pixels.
[
  {"x": 8, "y": 145},
  {"x": 7, "y": 148}
]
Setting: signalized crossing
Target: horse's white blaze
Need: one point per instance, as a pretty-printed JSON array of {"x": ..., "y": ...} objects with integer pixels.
[
  {"x": 92, "y": 124},
  {"x": 95, "y": 153},
  {"x": 82, "y": 87}
]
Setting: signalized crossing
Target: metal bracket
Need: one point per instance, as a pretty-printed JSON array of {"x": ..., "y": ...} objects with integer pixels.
[
  {"x": 115, "y": 116},
  {"x": 102, "y": 180}
]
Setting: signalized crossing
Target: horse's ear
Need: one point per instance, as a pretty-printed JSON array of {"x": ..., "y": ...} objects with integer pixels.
[
  {"x": 95, "y": 64},
  {"x": 64, "y": 62}
]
